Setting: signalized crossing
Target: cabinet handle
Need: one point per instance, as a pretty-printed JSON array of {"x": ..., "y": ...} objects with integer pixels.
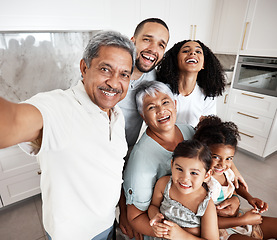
[
  {"x": 191, "y": 31},
  {"x": 225, "y": 99},
  {"x": 244, "y": 34},
  {"x": 194, "y": 32},
  {"x": 246, "y": 94},
  {"x": 244, "y": 114},
  {"x": 247, "y": 135},
  {"x": 39, "y": 172}
]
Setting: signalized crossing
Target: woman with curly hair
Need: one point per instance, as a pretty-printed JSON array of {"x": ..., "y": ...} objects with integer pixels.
[{"x": 195, "y": 76}]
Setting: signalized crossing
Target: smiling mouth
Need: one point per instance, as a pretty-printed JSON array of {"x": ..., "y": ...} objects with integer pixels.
[
  {"x": 184, "y": 185},
  {"x": 110, "y": 92},
  {"x": 191, "y": 60},
  {"x": 220, "y": 170},
  {"x": 149, "y": 58},
  {"x": 163, "y": 119}
]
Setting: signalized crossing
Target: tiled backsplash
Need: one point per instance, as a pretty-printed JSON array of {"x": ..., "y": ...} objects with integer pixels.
[{"x": 32, "y": 62}]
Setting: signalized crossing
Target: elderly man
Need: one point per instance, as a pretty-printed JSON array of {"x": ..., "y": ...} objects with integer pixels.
[{"x": 78, "y": 136}]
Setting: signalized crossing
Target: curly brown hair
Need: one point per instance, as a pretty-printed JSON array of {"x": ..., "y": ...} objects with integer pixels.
[
  {"x": 210, "y": 79},
  {"x": 211, "y": 130}
]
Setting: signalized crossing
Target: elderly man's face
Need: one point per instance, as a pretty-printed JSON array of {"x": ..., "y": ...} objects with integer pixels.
[{"x": 107, "y": 80}]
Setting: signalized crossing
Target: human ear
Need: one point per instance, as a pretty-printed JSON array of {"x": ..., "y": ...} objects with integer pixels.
[
  {"x": 133, "y": 39},
  {"x": 208, "y": 175},
  {"x": 175, "y": 104},
  {"x": 83, "y": 67}
]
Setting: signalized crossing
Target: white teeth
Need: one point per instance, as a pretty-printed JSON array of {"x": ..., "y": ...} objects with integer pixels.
[
  {"x": 192, "y": 60},
  {"x": 109, "y": 94},
  {"x": 163, "y": 118},
  {"x": 184, "y": 185},
  {"x": 149, "y": 58}
]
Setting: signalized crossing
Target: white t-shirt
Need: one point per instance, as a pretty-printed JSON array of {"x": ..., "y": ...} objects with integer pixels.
[
  {"x": 81, "y": 159},
  {"x": 190, "y": 108}
]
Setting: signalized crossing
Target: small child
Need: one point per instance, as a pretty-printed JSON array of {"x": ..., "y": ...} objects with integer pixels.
[
  {"x": 182, "y": 198},
  {"x": 221, "y": 138}
]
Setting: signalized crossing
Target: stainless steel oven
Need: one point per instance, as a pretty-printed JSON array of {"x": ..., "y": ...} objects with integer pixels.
[{"x": 256, "y": 74}]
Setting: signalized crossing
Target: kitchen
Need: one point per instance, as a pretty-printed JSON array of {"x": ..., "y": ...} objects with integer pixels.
[{"x": 229, "y": 28}]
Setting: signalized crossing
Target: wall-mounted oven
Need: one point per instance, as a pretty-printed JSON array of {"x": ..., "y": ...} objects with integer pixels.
[{"x": 256, "y": 74}]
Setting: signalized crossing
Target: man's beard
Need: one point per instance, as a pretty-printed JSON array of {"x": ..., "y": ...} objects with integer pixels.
[{"x": 142, "y": 69}]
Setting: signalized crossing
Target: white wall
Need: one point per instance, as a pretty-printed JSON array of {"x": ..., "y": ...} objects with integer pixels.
[{"x": 54, "y": 15}]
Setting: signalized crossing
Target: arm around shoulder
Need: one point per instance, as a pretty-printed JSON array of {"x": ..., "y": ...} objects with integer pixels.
[{"x": 18, "y": 123}]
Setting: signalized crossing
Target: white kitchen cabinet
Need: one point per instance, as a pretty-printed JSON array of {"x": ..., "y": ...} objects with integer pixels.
[
  {"x": 255, "y": 116},
  {"x": 191, "y": 20},
  {"x": 19, "y": 175},
  {"x": 245, "y": 27},
  {"x": 228, "y": 27},
  {"x": 260, "y": 33}
]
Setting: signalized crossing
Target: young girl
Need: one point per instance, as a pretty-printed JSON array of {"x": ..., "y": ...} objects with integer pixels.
[
  {"x": 182, "y": 198},
  {"x": 221, "y": 138}
]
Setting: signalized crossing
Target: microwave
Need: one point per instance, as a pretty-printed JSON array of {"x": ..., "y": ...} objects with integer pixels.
[{"x": 256, "y": 74}]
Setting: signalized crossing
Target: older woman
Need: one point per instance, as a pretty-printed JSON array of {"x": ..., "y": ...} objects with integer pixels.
[{"x": 151, "y": 156}]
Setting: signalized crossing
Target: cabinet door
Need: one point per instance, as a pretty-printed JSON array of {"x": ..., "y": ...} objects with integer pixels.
[
  {"x": 13, "y": 161},
  {"x": 191, "y": 20},
  {"x": 260, "y": 30},
  {"x": 203, "y": 16},
  {"x": 180, "y": 22},
  {"x": 20, "y": 187},
  {"x": 229, "y": 23}
]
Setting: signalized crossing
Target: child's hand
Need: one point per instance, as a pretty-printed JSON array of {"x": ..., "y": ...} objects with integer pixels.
[
  {"x": 258, "y": 204},
  {"x": 175, "y": 231},
  {"x": 252, "y": 217},
  {"x": 157, "y": 225}
]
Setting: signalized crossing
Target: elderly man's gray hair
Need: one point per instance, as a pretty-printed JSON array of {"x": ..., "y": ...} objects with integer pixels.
[
  {"x": 108, "y": 38},
  {"x": 150, "y": 88}
]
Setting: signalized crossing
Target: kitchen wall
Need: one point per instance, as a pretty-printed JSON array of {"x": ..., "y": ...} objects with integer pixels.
[{"x": 33, "y": 62}]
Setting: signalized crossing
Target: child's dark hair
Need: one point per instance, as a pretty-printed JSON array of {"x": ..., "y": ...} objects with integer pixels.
[
  {"x": 194, "y": 149},
  {"x": 211, "y": 130}
]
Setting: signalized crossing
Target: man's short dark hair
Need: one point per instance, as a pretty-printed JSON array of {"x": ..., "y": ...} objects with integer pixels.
[{"x": 154, "y": 20}]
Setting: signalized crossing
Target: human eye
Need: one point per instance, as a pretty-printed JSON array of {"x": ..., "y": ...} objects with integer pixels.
[
  {"x": 185, "y": 51},
  {"x": 151, "y": 107},
  {"x": 199, "y": 51},
  {"x": 165, "y": 102},
  {"x": 125, "y": 76},
  {"x": 179, "y": 169},
  {"x": 162, "y": 46},
  {"x": 146, "y": 39},
  {"x": 229, "y": 159},
  {"x": 215, "y": 157},
  {"x": 105, "y": 69},
  {"x": 194, "y": 173}
]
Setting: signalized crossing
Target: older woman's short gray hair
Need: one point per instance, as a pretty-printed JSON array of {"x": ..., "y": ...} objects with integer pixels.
[
  {"x": 150, "y": 88},
  {"x": 108, "y": 38}
]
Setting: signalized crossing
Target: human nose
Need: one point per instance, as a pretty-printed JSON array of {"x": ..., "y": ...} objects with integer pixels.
[
  {"x": 160, "y": 109},
  {"x": 113, "y": 81},
  {"x": 153, "y": 47}
]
